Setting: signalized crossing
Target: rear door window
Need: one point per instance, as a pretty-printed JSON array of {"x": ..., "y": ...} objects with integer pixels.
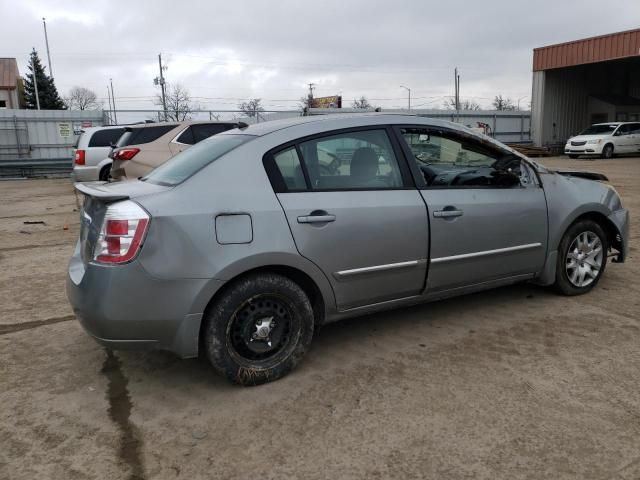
[
  {"x": 186, "y": 137},
  {"x": 142, "y": 135},
  {"x": 104, "y": 138},
  {"x": 352, "y": 160}
]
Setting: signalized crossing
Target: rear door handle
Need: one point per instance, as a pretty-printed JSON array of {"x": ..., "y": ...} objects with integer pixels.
[
  {"x": 324, "y": 218},
  {"x": 447, "y": 213}
]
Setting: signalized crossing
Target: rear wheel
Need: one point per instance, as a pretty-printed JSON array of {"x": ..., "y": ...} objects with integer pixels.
[
  {"x": 607, "y": 151},
  {"x": 582, "y": 258},
  {"x": 105, "y": 173},
  {"x": 259, "y": 329}
]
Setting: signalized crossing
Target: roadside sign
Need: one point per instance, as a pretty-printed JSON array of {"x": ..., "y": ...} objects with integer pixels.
[
  {"x": 64, "y": 129},
  {"x": 77, "y": 128}
]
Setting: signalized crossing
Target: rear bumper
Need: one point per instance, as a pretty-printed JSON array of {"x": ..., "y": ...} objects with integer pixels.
[
  {"x": 85, "y": 173},
  {"x": 123, "y": 307}
]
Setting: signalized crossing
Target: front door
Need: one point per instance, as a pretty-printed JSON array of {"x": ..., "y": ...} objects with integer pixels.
[
  {"x": 487, "y": 212},
  {"x": 352, "y": 212}
]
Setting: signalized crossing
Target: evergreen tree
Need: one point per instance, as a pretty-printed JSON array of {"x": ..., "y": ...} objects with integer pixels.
[{"x": 47, "y": 91}]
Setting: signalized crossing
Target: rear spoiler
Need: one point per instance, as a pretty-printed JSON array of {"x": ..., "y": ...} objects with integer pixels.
[
  {"x": 92, "y": 189},
  {"x": 582, "y": 174}
]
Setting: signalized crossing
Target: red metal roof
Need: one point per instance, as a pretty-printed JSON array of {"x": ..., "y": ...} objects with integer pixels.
[
  {"x": 8, "y": 73},
  {"x": 588, "y": 50}
]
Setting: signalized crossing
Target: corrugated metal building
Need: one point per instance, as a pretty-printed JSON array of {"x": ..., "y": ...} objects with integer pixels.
[{"x": 576, "y": 84}]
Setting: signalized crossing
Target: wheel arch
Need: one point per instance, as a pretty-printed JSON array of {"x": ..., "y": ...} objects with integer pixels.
[
  {"x": 614, "y": 239},
  {"x": 318, "y": 298}
]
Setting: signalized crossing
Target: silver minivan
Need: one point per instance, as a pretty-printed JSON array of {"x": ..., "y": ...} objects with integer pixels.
[{"x": 240, "y": 247}]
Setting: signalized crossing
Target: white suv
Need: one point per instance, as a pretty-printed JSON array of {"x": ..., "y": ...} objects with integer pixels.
[
  {"x": 605, "y": 140},
  {"x": 91, "y": 156}
]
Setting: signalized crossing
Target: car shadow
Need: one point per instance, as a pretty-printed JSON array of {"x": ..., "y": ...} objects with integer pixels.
[{"x": 345, "y": 338}]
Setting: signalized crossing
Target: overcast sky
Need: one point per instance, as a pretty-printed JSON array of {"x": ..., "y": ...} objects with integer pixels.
[{"x": 227, "y": 51}]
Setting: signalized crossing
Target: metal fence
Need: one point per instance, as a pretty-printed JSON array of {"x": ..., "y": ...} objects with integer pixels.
[
  {"x": 508, "y": 126},
  {"x": 41, "y": 142}
]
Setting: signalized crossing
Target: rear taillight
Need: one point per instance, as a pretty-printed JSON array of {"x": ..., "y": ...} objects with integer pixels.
[
  {"x": 123, "y": 230},
  {"x": 125, "y": 153},
  {"x": 79, "y": 158}
]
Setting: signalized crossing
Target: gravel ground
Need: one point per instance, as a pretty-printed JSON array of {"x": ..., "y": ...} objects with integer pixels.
[{"x": 513, "y": 383}]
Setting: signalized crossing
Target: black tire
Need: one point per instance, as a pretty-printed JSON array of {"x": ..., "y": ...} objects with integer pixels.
[
  {"x": 607, "y": 151},
  {"x": 105, "y": 173},
  {"x": 567, "y": 257},
  {"x": 234, "y": 334},
  {"x": 574, "y": 156}
]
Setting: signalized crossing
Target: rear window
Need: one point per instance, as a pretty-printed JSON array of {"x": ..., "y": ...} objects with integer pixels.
[
  {"x": 206, "y": 130},
  {"x": 188, "y": 162},
  {"x": 104, "y": 138},
  {"x": 139, "y": 136}
]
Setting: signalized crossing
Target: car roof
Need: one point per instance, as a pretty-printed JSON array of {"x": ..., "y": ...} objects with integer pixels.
[
  {"x": 184, "y": 123},
  {"x": 613, "y": 124},
  {"x": 345, "y": 120},
  {"x": 105, "y": 127}
]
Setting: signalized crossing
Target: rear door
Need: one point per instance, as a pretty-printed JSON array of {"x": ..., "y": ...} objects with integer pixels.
[
  {"x": 487, "y": 212},
  {"x": 353, "y": 212}
]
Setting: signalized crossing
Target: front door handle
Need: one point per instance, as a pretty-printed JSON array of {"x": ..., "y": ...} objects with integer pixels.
[
  {"x": 447, "y": 213},
  {"x": 318, "y": 216}
]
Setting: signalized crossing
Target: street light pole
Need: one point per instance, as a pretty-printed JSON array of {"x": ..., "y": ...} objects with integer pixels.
[
  {"x": 409, "y": 97},
  {"x": 521, "y": 99},
  {"x": 35, "y": 82},
  {"x": 46, "y": 41},
  {"x": 113, "y": 100}
]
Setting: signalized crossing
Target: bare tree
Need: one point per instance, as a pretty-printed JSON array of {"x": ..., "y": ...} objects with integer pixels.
[
  {"x": 252, "y": 108},
  {"x": 361, "y": 103},
  {"x": 450, "y": 104},
  {"x": 179, "y": 104},
  {"x": 81, "y": 98},
  {"x": 502, "y": 103}
]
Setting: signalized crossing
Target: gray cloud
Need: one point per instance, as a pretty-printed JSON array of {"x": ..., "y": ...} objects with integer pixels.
[{"x": 223, "y": 52}]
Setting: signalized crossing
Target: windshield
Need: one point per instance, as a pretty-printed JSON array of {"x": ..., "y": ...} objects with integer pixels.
[
  {"x": 599, "y": 129},
  {"x": 188, "y": 162}
]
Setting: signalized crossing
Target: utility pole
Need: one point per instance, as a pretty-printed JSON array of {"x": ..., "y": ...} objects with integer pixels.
[
  {"x": 409, "y": 98},
  {"x": 161, "y": 82},
  {"x": 113, "y": 99},
  {"x": 35, "y": 82},
  {"x": 310, "y": 97},
  {"x": 46, "y": 40},
  {"x": 456, "y": 91},
  {"x": 109, "y": 100}
]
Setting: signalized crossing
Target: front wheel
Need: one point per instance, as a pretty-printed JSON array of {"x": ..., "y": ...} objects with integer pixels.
[
  {"x": 573, "y": 156},
  {"x": 259, "y": 329},
  {"x": 607, "y": 151},
  {"x": 582, "y": 258}
]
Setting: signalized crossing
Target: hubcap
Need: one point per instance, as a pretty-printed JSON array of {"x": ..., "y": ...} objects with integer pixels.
[
  {"x": 260, "y": 328},
  {"x": 584, "y": 259}
]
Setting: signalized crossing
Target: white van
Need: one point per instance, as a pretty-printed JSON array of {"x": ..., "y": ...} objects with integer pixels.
[{"x": 91, "y": 156}]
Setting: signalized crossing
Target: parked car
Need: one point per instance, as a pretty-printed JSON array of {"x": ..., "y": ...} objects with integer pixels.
[
  {"x": 91, "y": 160},
  {"x": 143, "y": 148},
  {"x": 240, "y": 246},
  {"x": 605, "y": 140}
]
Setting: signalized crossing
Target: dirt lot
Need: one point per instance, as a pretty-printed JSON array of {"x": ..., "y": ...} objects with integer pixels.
[{"x": 512, "y": 383}]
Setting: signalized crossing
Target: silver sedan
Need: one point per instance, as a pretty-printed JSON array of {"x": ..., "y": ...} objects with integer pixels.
[{"x": 241, "y": 246}]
